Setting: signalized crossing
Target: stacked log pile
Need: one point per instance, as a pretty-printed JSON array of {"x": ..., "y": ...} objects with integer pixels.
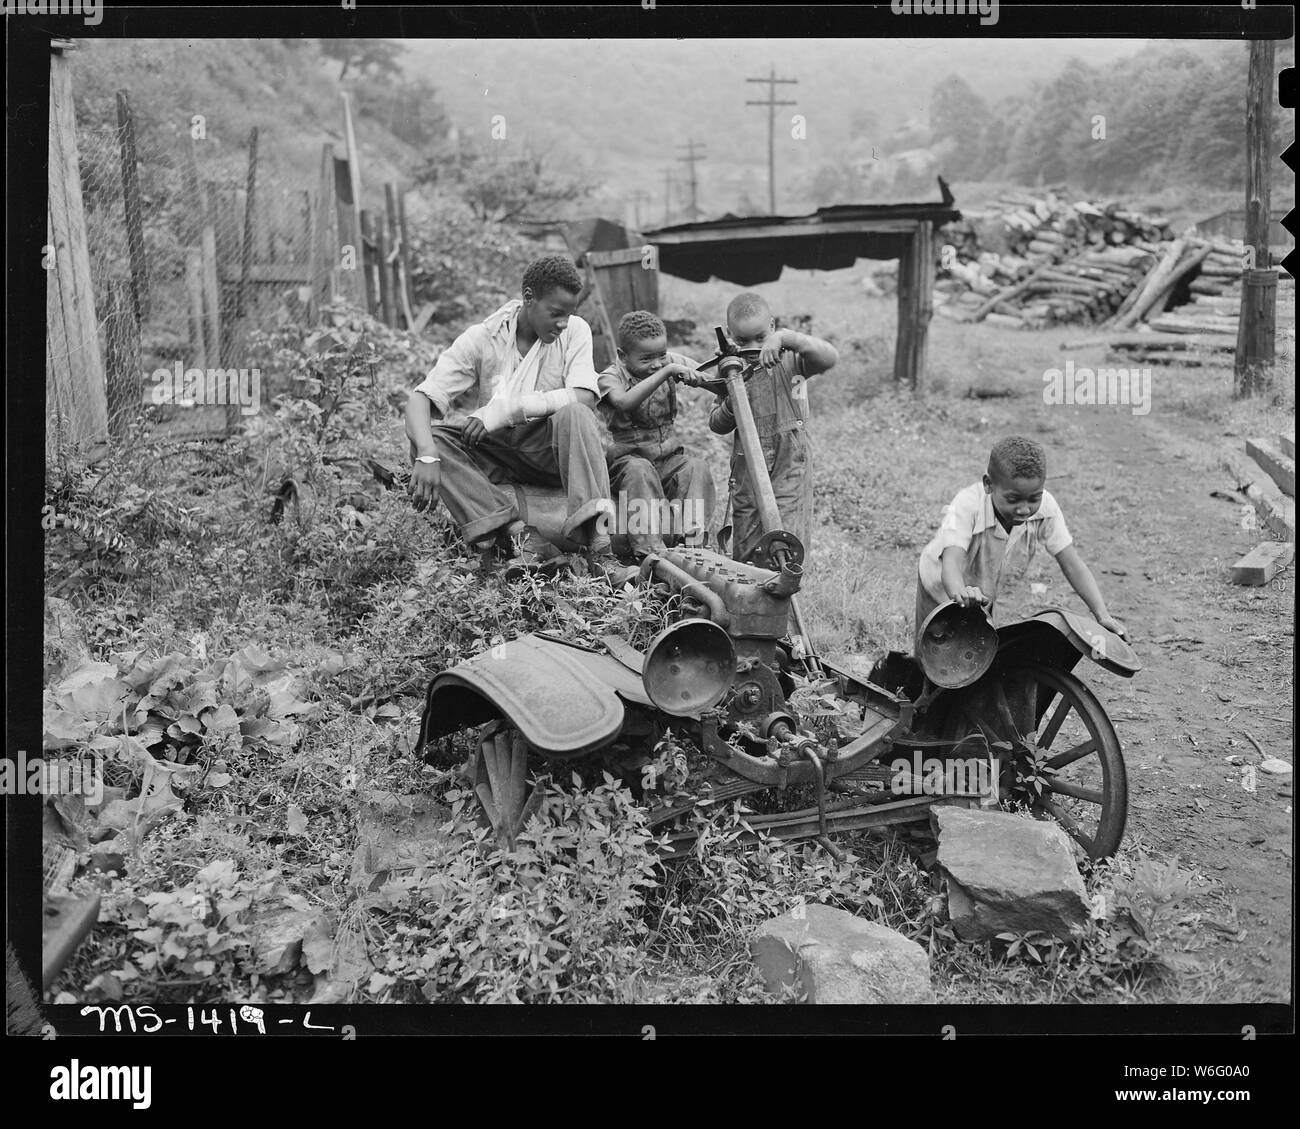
[
  {"x": 1206, "y": 324},
  {"x": 1031, "y": 262}
]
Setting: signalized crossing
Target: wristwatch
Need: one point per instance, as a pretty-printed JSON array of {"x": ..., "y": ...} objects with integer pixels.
[{"x": 427, "y": 459}]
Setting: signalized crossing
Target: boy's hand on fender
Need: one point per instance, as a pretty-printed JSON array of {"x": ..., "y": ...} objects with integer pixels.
[
  {"x": 1110, "y": 623},
  {"x": 971, "y": 596}
]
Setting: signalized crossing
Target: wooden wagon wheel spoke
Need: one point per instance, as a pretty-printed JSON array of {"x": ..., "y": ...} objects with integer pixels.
[
  {"x": 1071, "y": 825},
  {"x": 1084, "y": 787},
  {"x": 1053, "y": 726},
  {"x": 1004, "y": 710},
  {"x": 1062, "y": 760},
  {"x": 1063, "y": 788}
]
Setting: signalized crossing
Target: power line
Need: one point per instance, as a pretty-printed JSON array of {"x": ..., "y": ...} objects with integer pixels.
[
  {"x": 636, "y": 196},
  {"x": 690, "y": 158},
  {"x": 771, "y": 103}
]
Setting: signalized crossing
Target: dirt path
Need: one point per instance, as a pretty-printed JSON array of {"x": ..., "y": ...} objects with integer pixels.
[
  {"x": 1218, "y": 658},
  {"x": 1135, "y": 490}
]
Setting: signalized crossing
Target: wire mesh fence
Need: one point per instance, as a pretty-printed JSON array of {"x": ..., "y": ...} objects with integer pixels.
[{"x": 181, "y": 248}]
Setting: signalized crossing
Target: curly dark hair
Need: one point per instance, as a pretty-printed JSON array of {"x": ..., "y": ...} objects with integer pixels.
[
  {"x": 551, "y": 272},
  {"x": 1017, "y": 457},
  {"x": 638, "y": 325}
]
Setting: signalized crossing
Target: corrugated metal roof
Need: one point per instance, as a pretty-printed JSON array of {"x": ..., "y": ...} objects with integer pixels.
[{"x": 748, "y": 250}]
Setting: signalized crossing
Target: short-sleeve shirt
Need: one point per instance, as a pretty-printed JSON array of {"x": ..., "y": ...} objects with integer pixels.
[
  {"x": 469, "y": 369},
  {"x": 656, "y": 412},
  {"x": 992, "y": 554}
]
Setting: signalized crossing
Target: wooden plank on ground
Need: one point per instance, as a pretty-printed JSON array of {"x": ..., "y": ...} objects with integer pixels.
[
  {"x": 1263, "y": 562},
  {"x": 1277, "y": 514},
  {"x": 1280, "y": 468},
  {"x": 65, "y": 925},
  {"x": 1287, "y": 443}
]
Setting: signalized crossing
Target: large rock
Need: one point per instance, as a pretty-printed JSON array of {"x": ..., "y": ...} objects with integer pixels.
[
  {"x": 1007, "y": 874},
  {"x": 277, "y": 938},
  {"x": 837, "y": 958}
]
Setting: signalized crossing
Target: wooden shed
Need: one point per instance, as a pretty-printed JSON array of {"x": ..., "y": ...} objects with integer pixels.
[
  {"x": 755, "y": 249},
  {"x": 620, "y": 275}
]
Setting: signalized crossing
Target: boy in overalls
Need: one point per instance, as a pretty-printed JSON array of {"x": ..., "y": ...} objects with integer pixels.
[
  {"x": 780, "y": 406},
  {"x": 654, "y": 482}
]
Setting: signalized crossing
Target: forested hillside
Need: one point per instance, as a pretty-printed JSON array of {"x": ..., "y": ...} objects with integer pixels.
[{"x": 600, "y": 126}]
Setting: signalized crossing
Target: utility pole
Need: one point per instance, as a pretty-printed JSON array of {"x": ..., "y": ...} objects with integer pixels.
[
  {"x": 691, "y": 157},
  {"x": 636, "y": 197},
  {"x": 1257, "y": 325},
  {"x": 668, "y": 194},
  {"x": 771, "y": 103}
]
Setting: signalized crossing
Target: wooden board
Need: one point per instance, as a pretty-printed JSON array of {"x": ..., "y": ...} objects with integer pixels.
[
  {"x": 1287, "y": 443},
  {"x": 65, "y": 925},
  {"x": 1263, "y": 562},
  {"x": 1277, "y": 514},
  {"x": 1280, "y": 468}
]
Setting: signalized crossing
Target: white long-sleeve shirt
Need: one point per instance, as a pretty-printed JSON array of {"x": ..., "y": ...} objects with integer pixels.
[{"x": 472, "y": 368}]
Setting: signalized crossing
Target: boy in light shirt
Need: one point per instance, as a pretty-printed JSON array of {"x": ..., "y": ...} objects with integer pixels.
[{"x": 993, "y": 528}]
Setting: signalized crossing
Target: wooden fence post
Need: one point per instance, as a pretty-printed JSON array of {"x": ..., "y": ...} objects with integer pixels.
[
  {"x": 122, "y": 359},
  {"x": 325, "y": 249},
  {"x": 74, "y": 367},
  {"x": 405, "y": 235},
  {"x": 380, "y": 232},
  {"x": 240, "y": 330},
  {"x": 923, "y": 304},
  {"x": 194, "y": 295},
  {"x": 396, "y": 251},
  {"x": 1256, "y": 325},
  {"x": 906, "y": 296},
  {"x": 134, "y": 215}
]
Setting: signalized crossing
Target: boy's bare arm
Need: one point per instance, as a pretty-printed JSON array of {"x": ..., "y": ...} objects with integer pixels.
[
  {"x": 629, "y": 399},
  {"x": 419, "y": 416},
  {"x": 952, "y": 566},
  {"x": 817, "y": 355},
  {"x": 1082, "y": 581}
]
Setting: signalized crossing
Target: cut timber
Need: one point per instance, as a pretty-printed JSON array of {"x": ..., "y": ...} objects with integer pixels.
[
  {"x": 1277, "y": 514},
  {"x": 1222, "y": 341},
  {"x": 1004, "y": 320},
  {"x": 1152, "y": 286},
  {"x": 1281, "y": 468},
  {"x": 1263, "y": 562},
  {"x": 1287, "y": 443},
  {"x": 65, "y": 925},
  {"x": 1158, "y": 356}
]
